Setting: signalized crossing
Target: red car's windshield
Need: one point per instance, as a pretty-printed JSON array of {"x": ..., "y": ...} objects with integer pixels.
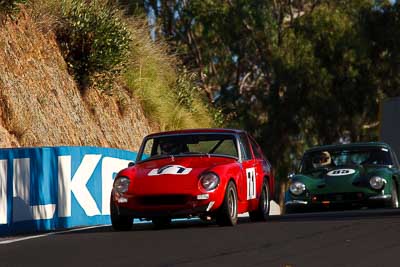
[{"x": 189, "y": 144}]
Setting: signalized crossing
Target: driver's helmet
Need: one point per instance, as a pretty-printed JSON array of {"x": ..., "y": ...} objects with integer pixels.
[
  {"x": 322, "y": 159},
  {"x": 171, "y": 148}
]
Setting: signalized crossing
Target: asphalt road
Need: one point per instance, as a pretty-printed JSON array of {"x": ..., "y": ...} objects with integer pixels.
[{"x": 351, "y": 238}]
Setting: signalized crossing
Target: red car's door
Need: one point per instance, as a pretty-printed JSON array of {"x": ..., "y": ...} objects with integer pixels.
[
  {"x": 264, "y": 169},
  {"x": 250, "y": 171}
]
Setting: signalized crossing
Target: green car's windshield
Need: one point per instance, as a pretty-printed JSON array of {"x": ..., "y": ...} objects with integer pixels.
[
  {"x": 328, "y": 159},
  {"x": 189, "y": 144}
]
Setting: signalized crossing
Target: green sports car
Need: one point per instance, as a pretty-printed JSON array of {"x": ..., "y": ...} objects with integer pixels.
[{"x": 344, "y": 176}]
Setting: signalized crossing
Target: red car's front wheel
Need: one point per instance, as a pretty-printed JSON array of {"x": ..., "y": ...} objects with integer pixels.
[
  {"x": 227, "y": 213},
  {"x": 119, "y": 222}
]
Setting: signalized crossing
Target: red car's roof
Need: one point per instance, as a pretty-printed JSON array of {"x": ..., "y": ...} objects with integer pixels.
[{"x": 203, "y": 130}]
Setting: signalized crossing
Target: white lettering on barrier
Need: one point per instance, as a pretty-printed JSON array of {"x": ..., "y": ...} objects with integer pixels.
[
  {"x": 43, "y": 212},
  {"x": 3, "y": 192},
  {"x": 109, "y": 167},
  {"x": 22, "y": 210},
  {"x": 64, "y": 192},
  {"x": 76, "y": 185}
]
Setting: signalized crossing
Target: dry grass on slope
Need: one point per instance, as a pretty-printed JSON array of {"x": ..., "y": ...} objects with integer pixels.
[{"x": 40, "y": 104}]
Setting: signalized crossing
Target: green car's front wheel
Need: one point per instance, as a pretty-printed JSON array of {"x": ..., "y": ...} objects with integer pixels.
[{"x": 395, "y": 196}]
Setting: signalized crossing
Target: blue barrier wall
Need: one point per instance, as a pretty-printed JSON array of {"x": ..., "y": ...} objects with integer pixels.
[{"x": 51, "y": 188}]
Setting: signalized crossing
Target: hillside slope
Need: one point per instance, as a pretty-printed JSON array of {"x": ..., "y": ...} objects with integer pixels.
[{"x": 40, "y": 104}]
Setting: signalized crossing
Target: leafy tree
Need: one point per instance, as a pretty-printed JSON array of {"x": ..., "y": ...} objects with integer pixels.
[
  {"x": 295, "y": 73},
  {"x": 383, "y": 29}
]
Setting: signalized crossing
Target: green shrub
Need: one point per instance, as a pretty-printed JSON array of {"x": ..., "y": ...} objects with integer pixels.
[
  {"x": 189, "y": 96},
  {"x": 218, "y": 116},
  {"x": 10, "y": 7},
  {"x": 186, "y": 89},
  {"x": 94, "y": 40}
]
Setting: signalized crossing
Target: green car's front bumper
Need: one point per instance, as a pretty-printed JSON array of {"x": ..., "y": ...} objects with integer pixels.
[{"x": 341, "y": 200}]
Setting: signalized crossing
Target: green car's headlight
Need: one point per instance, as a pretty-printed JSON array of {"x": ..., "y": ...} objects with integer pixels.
[
  {"x": 377, "y": 182},
  {"x": 121, "y": 184},
  {"x": 297, "y": 188}
]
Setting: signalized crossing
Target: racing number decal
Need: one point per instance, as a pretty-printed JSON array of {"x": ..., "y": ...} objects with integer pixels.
[
  {"x": 341, "y": 172},
  {"x": 170, "y": 169},
  {"x": 251, "y": 183}
]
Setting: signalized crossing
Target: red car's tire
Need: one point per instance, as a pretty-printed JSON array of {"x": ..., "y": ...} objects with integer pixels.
[
  {"x": 262, "y": 211},
  {"x": 227, "y": 214},
  {"x": 118, "y": 222}
]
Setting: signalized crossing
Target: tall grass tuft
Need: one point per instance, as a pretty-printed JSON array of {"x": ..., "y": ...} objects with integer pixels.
[
  {"x": 47, "y": 14},
  {"x": 169, "y": 94}
]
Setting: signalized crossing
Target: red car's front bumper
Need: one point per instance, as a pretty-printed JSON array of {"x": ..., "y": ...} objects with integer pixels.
[{"x": 172, "y": 205}]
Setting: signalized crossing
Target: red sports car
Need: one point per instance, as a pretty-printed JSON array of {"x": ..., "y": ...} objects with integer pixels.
[{"x": 210, "y": 173}]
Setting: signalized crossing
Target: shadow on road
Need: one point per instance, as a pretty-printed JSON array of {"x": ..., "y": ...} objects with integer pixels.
[
  {"x": 339, "y": 215},
  {"x": 298, "y": 217}
]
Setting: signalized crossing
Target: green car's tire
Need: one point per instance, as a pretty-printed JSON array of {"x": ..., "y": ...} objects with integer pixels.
[
  {"x": 395, "y": 197},
  {"x": 262, "y": 211},
  {"x": 118, "y": 222},
  {"x": 227, "y": 214}
]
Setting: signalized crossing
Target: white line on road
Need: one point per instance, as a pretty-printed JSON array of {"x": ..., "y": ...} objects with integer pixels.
[{"x": 48, "y": 234}]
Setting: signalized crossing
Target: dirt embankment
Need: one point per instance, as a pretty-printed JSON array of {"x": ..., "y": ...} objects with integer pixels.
[{"x": 41, "y": 105}]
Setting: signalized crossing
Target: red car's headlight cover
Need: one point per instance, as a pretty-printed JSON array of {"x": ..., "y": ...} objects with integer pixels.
[
  {"x": 209, "y": 181},
  {"x": 121, "y": 184}
]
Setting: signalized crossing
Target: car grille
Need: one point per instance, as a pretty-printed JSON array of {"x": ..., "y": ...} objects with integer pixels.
[
  {"x": 338, "y": 197},
  {"x": 163, "y": 200}
]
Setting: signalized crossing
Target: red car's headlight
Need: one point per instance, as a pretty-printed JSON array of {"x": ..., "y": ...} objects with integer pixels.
[
  {"x": 209, "y": 181},
  {"x": 121, "y": 184}
]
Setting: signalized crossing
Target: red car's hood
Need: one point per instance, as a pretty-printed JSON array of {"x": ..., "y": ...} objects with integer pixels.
[{"x": 173, "y": 175}]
